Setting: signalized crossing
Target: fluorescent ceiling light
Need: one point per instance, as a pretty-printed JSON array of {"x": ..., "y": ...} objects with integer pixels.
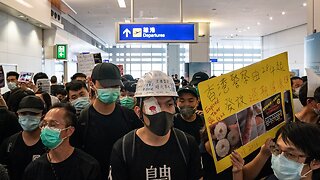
[
  {"x": 122, "y": 3},
  {"x": 24, "y": 3}
]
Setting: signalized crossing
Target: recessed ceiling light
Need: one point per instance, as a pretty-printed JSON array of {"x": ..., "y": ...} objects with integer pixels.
[
  {"x": 270, "y": 18},
  {"x": 239, "y": 31},
  {"x": 248, "y": 28},
  {"x": 283, "y": 13},
  {"x": 258, "y": 23},
  {"x": 21, "y": 16},
  {"x": 304, "y": 4}
]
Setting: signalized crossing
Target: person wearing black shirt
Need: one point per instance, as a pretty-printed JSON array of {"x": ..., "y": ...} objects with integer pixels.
[
  {"x": 20, "y": 149},
  {"x": 12, "y": 82},
  {"x": 104, "y": 122},
  {"x": 176, "y": 81},
  {"x": 157, "y": 150},
  {"x": 187, "y": 120},
  {"x": 62, "y": 161}
]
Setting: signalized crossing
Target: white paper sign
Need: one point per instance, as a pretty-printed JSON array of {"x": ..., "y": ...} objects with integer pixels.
[{"x": 85, "y": 63}]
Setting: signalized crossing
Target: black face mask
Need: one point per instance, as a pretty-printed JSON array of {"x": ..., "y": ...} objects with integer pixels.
[
  {"x": 160, "y": 123},
  {"x": 187, "y": 111}
]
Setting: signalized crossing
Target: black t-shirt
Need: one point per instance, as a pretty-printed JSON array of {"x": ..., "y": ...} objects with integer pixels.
[
  {"x": 102, "y": 132},
  {"x": 9, "y": 124},
  {"x": 6, "y": 96},
  {"x": 193, "y": 128},
  {"x": 20, "y": 155},
  {"x": 79, "y": 166},
  {"x": 162, "y": 162}
]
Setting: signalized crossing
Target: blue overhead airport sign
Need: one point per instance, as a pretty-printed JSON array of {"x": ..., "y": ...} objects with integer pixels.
[{"x": 156, "y": 32}]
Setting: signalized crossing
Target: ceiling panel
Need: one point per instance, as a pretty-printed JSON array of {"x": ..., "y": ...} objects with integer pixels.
[{"x": 237, "y": 17}]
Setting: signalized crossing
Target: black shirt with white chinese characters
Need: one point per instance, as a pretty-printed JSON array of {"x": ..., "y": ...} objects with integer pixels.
[{"x": 154, "y": 163}]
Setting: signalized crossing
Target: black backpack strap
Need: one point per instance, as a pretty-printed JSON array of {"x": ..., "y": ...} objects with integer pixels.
[
  {"x": 128, "y": 146},
  {"x": 183, "y": 144}
]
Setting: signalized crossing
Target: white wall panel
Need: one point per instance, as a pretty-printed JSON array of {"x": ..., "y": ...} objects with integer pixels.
[
  {"x": 290, "y": 40},
  {"x": 20, "y": 43}
]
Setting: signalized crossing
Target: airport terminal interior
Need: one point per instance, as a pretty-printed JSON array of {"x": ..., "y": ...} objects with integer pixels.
[{"x": 159, "y": 89}]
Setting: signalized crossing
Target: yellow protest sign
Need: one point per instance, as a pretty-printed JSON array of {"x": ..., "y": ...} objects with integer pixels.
[{"x": 245, "y": 107}]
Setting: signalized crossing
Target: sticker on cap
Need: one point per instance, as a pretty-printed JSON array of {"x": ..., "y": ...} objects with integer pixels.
[{"x": 151, "y": 106}]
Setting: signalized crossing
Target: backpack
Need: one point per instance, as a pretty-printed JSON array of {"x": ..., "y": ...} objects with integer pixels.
[
  {"x": 128, "y": 145},
  {"x": 84, "y": 118}
]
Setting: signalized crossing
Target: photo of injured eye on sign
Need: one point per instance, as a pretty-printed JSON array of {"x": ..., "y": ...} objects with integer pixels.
[{"x": 246, "y": 125}]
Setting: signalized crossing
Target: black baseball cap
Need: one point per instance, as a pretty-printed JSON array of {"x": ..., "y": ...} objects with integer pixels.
[
  {"x": 199, "y": 77},
  {"x": 187, "y": 89},
  {"x": 130, "y": 86},
  {"x": 31, "y": 103},
  {"x": 107, "y": 74}
]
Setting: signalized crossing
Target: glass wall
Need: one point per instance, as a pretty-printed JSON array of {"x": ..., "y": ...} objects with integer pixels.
[{"x": 231, "y": 54}]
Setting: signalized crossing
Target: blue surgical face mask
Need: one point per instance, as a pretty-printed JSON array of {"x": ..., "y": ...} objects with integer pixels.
[
  {"x": 127, "y": 102},
  {"x": 285, "y": 169},
  {"x": 81, "y": 103},
  {"x": 28, "y": 122},
  {"x": 108, "y": 95},
  {"x": 50, "y": 137}
]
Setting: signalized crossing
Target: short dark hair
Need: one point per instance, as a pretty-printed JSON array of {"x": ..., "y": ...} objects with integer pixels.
[
  {"x": 39, "y": 75},
  {"x": 317, "y": 95},
  {"x": 12, "y": 73},
  {"x": 70, "y": 113},
  {"x": 295, "y": 78},
  {"x": 74, "y": 77},
  {"x": 53, "y": 79},
  {"x": 304, "y": 136},
  {"x": 75, "y": 85},
  {"x": 61, "y": 91},
  {"x": 303, "y": 94}
]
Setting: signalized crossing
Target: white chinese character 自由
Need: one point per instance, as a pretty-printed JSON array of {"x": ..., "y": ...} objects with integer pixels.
[
  {"x": 152, "y": 29},
  {"x": 151, "y": 173},
  {"x": 165, "y": 172},
  {"x": 146, "y": 29}
]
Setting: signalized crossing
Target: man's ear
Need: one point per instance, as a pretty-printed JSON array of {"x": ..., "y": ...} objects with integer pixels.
[
  {"x": 70, "y": 130},
  {"x": 137, "y": 110},
  {"x": 315, "y": 164}
]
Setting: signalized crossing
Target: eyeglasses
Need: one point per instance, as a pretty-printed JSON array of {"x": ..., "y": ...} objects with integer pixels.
[
  {"x": 52, "y": 123},
  {"x": 275, "y": 150}
]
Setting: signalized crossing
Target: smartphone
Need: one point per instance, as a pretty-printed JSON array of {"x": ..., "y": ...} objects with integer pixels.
[
  {"x": 43, "y": 85},
  {"x": 25, "y": 77}
]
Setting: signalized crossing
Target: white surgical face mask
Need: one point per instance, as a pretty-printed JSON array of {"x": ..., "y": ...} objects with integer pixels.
[{"x": 285, "y": 169}]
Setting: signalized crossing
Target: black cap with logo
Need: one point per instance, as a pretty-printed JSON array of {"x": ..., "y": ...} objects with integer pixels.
[
  {"x": 199, "y": 77},
  {"x": 107, "y": 74}
]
